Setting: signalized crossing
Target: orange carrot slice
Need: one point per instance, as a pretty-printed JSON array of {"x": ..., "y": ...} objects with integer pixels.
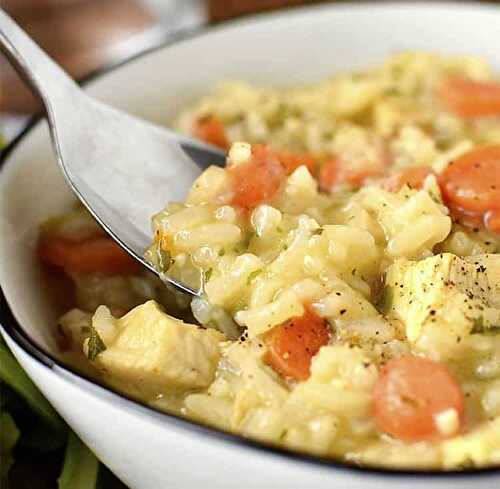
[
  {"x": 258, "y": 180},
  {"x": 413, "y": 177},
  {"x": 471, "y": 186},
  {"x": 100, "y": 254},
  {"x": 211, "y": 130},
  {"x": 293, "y": 344},
  {"x": 408, "y": 395},
  {"x": 470, "y": 98}
]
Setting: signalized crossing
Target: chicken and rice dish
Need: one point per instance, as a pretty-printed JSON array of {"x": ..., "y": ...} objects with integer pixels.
[{"x": 349, "y": 259}]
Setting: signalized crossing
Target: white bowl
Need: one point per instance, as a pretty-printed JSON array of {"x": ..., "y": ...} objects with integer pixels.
[{"x": 148, "y": 449}]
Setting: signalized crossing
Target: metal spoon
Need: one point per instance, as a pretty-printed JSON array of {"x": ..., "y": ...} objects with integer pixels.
[{"x": 123, "y": 169}]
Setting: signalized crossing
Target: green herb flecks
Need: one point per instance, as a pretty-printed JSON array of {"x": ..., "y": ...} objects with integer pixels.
[
  {"x": 252, "y": 276},
  {"x": 386, "y": 300},
  {"x": 248, "y": 238},
  {"x": 207, "y": 274},
  {"x": 164, "y": 259},
  {"x": 481, "y": 328},
  {"x": 95, "y": 344}
]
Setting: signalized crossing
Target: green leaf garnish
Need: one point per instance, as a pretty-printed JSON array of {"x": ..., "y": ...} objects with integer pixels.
[
  {"x": 95, "y": 344},
  {"x": 164, "y": 259},
  {"x": 207, "y": 275}
]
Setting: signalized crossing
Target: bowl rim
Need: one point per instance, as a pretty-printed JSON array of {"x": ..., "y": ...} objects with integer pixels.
[{"x": 13, "y": 329}]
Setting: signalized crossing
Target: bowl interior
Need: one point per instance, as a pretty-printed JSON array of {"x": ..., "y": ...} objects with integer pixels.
[{"x": 292, "y": 47}]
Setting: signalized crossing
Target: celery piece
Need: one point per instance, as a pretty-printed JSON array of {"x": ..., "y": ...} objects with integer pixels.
[
  {"x": 9, "y": 434},
  {"x": 14, "y": 376},
  {"x": 80, "y": 466}
]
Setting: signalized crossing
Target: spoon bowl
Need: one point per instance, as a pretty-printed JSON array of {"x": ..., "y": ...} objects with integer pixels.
[{"x": 123, "y": 169}]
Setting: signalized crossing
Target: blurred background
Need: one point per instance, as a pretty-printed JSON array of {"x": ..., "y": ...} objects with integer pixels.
[
  {"x": 84, "y": 35},
  {"x": 37, "y": 451}
]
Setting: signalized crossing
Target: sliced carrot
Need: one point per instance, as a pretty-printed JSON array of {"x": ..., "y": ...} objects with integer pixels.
[
  {"x": 292, "y": 345},
  {"x": 471, "y": 186},
  {"x": 409, "y": 393},
  {"x": 288, "y": 159},
  {"x": 492, "y": 221},
  {"x": 414, "y": 177},
  {"x": 291, "y": 161},
  {"x": 468, "y": 219},
  {"x": 335, "y": 172},
  {"x": 329, "y": 174},
  {"x": 258, "y": 180},
  {"x": 470, "y": 98},
  {"x": 100, "y": 254},
  {"x": 211, "y": 130}
]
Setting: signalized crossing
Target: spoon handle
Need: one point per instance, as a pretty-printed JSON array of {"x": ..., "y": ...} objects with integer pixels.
[{"x": 47, "y": 79}]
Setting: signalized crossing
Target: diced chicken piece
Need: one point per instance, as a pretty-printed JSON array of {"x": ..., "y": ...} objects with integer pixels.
[
  {"x": 443, "y": 291},
  {"x": 149, "y": 353}
]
